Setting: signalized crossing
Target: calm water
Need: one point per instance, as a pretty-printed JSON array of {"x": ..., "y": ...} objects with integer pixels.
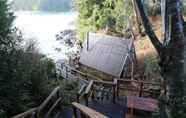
[{"x": 43, "y": 27}]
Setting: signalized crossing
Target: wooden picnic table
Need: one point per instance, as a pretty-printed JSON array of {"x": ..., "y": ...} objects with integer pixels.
[{"x": 140, "y": 103}]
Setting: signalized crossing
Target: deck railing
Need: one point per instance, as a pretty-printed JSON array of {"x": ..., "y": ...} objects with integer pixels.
[
  {"x": 86, "y": 112},
  {"x": 141, "y": 88},
  {"x": 86, "y": 92},
  {"x": 69, "y": 70},
  {"x": 46, "y": 108}
]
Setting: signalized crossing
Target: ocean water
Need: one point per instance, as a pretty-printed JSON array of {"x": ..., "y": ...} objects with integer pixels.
[{"x": 42, "y": 27}]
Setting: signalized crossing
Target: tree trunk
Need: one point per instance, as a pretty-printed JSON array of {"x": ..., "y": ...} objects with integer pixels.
[
  {"x": 137, "y": 17},
  {"x": 172, "y": 56}
]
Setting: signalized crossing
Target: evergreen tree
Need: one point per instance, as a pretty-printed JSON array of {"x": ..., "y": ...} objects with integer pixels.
[
  {"x": 111, "y": 15},
  {"x": 6, "y": 20}
]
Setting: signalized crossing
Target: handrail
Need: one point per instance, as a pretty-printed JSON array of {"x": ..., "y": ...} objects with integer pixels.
[
  {"x": 140, "y": 84},
  {"x": 37, "y": 112},
  {"x": 106, "y": 83},
  {"x": 80, "y": 93},
  {"x": 90, "y": 113},
  {"x": 87, "y": 91},
  {"x": 47, "y": 101},
  {"x": 82, "y": 73},
  {"x": 89, "y": 87},
  {"x": 53, "y": 107},
  {"x": 26, "y": 114},
  {"x": 139, "y": 81}
]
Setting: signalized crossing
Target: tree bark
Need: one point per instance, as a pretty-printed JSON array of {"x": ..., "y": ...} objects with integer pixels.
[
  {"x": 148, "y": 29},
  {"x": 172, "y": 56},
  {"x": 137, "y": 17}
]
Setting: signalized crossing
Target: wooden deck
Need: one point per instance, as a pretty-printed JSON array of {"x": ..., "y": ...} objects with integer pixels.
[{"x": 109, "y": 109}]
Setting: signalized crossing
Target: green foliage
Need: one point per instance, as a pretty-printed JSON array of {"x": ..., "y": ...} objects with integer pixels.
[
  {"x": 152, "y": 70},
  {"x": 68, "y": 91},
  {"x": 95, "y": 15},
  {"x": 23, "y": 70},
  {"x": 2, "y": 114},
  {"x": 22, "y": 79},
  {"x": 43, "y": 5},
  {"x": 153, "y": 7},
  {"x": 6, "y": 18}
]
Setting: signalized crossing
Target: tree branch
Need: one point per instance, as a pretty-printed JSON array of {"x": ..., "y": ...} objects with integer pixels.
[{"x": 148, "y": 29}]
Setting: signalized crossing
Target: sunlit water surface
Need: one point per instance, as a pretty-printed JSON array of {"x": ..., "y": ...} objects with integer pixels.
[{"x": 42, "y": 27}]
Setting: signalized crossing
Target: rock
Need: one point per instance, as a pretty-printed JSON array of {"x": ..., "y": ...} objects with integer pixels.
[{"x": 67, "y": 37}]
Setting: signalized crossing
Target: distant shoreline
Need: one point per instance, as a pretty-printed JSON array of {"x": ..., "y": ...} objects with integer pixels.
[{"x": 40, "y": 11}]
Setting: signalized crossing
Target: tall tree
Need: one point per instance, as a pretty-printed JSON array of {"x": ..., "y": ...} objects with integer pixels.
[
  {"x": 172, "y": 55},
  {"x": 6, "y": 20},
  {"x": 136, "y": 15}
]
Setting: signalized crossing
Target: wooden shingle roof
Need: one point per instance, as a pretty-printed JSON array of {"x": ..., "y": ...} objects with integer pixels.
[{"x": 105, "y": 53}]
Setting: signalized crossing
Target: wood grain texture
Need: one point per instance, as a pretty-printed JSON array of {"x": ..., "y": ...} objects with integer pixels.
[{"x": 88, "y": 111}]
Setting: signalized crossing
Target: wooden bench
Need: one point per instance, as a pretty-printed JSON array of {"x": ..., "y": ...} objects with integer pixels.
[{"x": 140, "y": 103}]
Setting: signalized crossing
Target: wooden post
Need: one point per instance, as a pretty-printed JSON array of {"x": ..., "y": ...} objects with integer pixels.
[
  {"x": 66, "y": 72},
  {"x": 114, "y": 94},
  {"x": 92, "y": 97},
  {"x": 117, "y": 91},
  {"x": 86, "y": 99},
  {"x": 141, "y": 90},
  {"x": 78, "y": 98},
  {"x": 75, "y": 112},
  {"x": 82, "y": 115},
  {"x": 87, "y": 40}
]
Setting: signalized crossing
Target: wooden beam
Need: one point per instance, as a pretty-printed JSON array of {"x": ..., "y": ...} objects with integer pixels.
[
  {"x": 90, "y": 113},
  {"x": 53, "y": 107},
  {"x": 26, "y": 114},
  {"x": 89, "y": 87},
  {"x": 139, "y": 82},
  {"x": 106, "y": 83},
  {"x": 47, "y": 101}
]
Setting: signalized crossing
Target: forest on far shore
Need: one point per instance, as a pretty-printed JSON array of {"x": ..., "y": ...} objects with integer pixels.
[{"x": 42, "y": 5}]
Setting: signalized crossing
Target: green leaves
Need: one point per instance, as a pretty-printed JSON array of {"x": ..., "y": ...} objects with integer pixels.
[{"x": 103, "y": 14}]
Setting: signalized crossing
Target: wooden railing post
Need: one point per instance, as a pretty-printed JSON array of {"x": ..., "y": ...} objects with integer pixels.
[
  {"x": 87, "y": 92},
  {"x": 86, "y": 99},
  {"x": 77, "y": 99},
  {"x": 66, "y": 72},
  {"x": 114, "y": 94},
  {"x": 92, "y": 97},
  {"x": 75, "y": 112},
  {"x": 117, "y": 87},
  {"x": 141, "y": 89},
  {"x": 117, "y": 91},
  {"x": 114, "y": 91}
]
